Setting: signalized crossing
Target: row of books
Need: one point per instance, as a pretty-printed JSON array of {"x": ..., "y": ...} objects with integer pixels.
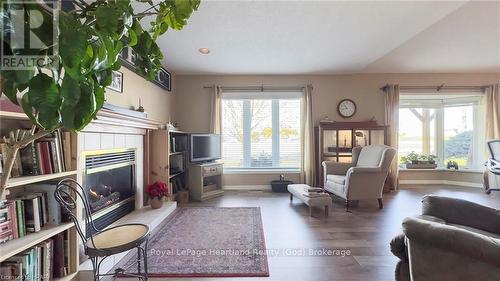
[
  {"x": 47, "y": 155},
  {"x": 28, "y": 212},
  {"x": 45, "y": 261}
]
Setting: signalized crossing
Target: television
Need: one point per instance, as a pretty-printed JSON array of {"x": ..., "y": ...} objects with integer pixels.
[{"x": 205, "y": 147}]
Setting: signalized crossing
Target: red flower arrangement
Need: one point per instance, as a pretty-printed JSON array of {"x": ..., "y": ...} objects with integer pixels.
[{"x": 157, "y": 189}]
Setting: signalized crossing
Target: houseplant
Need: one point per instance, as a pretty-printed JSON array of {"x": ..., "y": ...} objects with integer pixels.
[
  {"x": 65, "y": 88},
  {"x": 156, "y": 191},
  {"x": 415, "y": 160}
]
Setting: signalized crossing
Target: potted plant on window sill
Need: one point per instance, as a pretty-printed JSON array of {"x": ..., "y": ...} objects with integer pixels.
[{"x": 419, "y": 161}]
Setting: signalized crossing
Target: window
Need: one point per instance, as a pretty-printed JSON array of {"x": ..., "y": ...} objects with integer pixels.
[
  {"x": 447, "y": 126},
  {"x": 261, "y": 130}
]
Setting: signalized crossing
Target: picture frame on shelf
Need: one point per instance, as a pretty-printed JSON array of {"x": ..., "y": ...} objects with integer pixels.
[
  {"x": 116, "y": 81},
  {"x": 162, "y": 80}
]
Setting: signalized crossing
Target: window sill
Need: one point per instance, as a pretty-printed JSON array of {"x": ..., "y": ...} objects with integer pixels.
[
  {"x": 443, "y": 170},
  {"x": 260, "y": 171}
]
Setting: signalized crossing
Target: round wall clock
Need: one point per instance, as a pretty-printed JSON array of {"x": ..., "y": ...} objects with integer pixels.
[{"x": 346, "y": 108}]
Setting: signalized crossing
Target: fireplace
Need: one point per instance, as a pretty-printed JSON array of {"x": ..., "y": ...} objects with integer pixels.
[{"x": 110, "y": 184}]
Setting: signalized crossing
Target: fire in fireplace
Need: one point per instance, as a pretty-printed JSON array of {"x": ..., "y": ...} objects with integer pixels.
[{"x": 110, "y": 184}]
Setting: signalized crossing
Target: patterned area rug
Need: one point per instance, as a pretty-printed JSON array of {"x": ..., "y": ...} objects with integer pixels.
[{"x": 207, "y": 242}]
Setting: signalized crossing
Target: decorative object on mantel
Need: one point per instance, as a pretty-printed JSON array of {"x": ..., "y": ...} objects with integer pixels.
[
  {"x": 163, "y": 79},
  {"x": 156, "y": 191},
  {"x": 116, "y": 81},
  {"x": 125, "y": 111},
  {"x": 419, "y": 161},
  {"x": 140, "y": 108}
]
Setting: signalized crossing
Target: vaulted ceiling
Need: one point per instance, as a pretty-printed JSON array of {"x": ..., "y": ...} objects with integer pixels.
[{"x": 329, "y": 37}]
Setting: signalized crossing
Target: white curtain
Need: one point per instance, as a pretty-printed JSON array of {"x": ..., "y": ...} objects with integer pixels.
[
  {"x": 392, "y": 120},
  {"x": 216, "y": 114},
  {"x": 308, "y": 162},
  {"x": 492, "y": 112}
]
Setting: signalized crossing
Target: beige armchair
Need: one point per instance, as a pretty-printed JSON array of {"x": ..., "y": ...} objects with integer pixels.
[{"x": 361, "y": 179}]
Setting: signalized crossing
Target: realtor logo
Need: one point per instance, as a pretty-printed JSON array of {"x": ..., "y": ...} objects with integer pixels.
[{"x": 29, "y": 34}]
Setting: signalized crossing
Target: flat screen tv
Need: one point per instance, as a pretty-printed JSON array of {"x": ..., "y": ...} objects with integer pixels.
[{"x": 205, "y": 147}]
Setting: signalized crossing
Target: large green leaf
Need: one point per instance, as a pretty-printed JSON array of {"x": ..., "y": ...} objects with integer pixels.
[
  {"x": 106, "y": 20},
  {"x": 44, "y": 97},
  {"x": 72, "y": 44}
]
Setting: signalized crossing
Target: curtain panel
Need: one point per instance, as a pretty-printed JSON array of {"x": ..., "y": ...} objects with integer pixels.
[
  {"x": 308, "y": 138},
  {"x": 216, "y": 114},
  {"x": 392, "y": 120},
  {"x": 492, "y": 112}
]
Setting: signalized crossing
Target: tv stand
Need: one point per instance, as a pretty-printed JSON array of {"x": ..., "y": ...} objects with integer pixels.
[{"x": 205, "y": 180}]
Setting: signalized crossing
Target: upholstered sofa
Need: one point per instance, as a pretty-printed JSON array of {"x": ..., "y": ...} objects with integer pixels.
[
  {"x": 361, "y": 179},
  {"x": 452, "y": 240}
]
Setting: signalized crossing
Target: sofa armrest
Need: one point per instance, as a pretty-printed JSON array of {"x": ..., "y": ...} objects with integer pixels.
[
  {"x": 334, "y": 168},
  {"x": 462, "y": 212},
  {"x": 453, "y": 239}
]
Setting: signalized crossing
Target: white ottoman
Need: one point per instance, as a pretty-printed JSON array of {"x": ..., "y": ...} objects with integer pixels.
[{"x": 298, "y": 190}]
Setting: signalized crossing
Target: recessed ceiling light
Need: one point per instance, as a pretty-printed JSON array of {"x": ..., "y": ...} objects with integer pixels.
[{"x": 204, "y": 51}]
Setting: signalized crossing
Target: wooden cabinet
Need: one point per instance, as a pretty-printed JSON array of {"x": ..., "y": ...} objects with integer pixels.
[
  {"x": 334, "y": 141},
  {"x": 205, "y": 181},
  {"x": 169, "y": 157}
]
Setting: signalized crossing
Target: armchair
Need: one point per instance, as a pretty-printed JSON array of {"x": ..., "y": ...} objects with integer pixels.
[
  {"x": 453, "y": 239},
  {"x": 492, "y": 172},
  {"x": 361, "y": 179}
]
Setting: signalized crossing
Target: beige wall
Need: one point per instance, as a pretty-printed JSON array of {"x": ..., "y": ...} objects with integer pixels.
[
  {"x": 156, "y": 101},
  {"x": 192, "y": 102}
]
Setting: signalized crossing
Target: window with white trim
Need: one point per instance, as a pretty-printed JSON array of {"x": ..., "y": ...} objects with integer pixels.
[
  {"x": 261, "y": 130},
  {"x": 450, "y": 127}
]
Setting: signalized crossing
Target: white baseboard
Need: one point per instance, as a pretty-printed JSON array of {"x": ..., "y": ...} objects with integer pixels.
[
  {"x": 263, "y": 187},
  {"x": 443, "y": 182}
]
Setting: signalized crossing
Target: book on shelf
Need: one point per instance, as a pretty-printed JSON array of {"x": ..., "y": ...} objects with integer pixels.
[
  {"x": 44, "y": 261},
  {"x": 29, "y": 210},
  {"x": 46, "y": 155}
]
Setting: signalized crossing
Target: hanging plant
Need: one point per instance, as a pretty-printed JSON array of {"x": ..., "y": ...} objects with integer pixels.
[{"x": 65, "y": 88}]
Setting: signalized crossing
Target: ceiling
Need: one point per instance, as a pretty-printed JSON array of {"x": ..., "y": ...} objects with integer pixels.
[{"x": 328, "y": 37}]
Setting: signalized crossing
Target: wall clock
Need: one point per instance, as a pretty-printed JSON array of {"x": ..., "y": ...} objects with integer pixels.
[{"x": 346, "y": 108}]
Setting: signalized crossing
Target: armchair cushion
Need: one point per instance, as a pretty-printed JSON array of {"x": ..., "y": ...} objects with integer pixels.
[
  {"x": 338, "y": 179},
  {"x": 370, "y": 156}
]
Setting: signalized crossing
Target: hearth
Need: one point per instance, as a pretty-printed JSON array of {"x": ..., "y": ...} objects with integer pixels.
[{"x": 110, "y": 184}]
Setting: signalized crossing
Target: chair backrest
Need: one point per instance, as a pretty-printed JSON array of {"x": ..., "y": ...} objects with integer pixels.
[
  {"x": 67, "y": 194},
  {"x": 370, "y": 156},
  {"x": 494, "y": 147}
]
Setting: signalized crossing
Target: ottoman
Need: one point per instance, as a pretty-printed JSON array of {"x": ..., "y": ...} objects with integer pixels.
[{"x": 321, "y": 201}]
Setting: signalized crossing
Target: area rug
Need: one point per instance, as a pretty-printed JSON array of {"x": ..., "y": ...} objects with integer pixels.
[{"x": 207, "y": 242}]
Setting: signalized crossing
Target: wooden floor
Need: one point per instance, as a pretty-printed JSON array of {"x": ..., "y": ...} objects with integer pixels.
[{"x": 365, "y": 232}]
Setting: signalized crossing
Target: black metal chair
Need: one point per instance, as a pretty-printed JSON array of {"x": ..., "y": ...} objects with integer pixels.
[
  {"x": 104, "y": 243},
  {"x": 493, "y": 164}
]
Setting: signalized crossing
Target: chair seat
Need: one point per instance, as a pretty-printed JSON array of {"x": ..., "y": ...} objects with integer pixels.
[
  {"x": 338, "y": 179},
  {"x": 117, "y": 239}
]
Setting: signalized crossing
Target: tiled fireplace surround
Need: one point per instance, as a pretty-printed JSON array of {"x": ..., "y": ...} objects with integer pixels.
[{"x": 109, "y": 132}]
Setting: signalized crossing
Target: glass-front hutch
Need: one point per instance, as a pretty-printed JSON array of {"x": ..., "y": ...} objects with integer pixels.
[{"x": 335, "y": 140}]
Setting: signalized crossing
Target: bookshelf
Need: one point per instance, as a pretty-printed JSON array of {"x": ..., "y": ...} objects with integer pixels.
[
  {"x": 169, "y": 161},
  {"x": 15, "y": 120}
]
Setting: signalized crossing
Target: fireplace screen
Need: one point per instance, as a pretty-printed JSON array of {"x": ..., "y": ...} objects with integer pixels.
[{"x": 110, "y": 178}]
